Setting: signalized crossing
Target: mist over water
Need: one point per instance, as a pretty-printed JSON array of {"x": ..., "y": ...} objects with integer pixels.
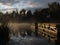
[{"x": 15, "y": 26}]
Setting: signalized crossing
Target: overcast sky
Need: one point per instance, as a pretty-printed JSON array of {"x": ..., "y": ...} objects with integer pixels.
[{"x": 20, "y": 4}]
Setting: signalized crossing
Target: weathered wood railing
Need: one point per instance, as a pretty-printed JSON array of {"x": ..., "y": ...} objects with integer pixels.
[{"x": 47, "y": 30}]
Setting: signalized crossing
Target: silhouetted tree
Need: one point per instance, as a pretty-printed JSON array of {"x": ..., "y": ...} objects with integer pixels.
[
  {"x": 6, "y": 13},
  {"x": 36, "y": 13},
  {"x": 29, "y": 13},
  {"x": 1, "y": 13},
  {"x": 44, "y": 14},
  {"x": 16, "y": 12},
  {"x": 13, "y": 14},
  {"x": 22, "y": 12},
  {"x": 54, "y": 9}
]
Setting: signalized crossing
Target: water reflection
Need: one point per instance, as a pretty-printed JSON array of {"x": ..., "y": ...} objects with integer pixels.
[{"x": 26, "y": 31}]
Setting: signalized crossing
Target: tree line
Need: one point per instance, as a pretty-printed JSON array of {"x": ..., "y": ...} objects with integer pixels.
[{"x": 43, "y": 15}]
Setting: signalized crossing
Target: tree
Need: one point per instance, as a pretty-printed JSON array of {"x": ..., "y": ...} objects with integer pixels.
[
  {"x": 36, "y": 13},
  {"x": 54, "y": 10},
  {"x": 1, "y": 13},
  {"x": 22, "y": 12},
  {"x": 29, "y": 13},
  {"x": 16, "y": 12},
  {"x": 44, "y": 14},
  {"x": 54, "y": 6},
  {"x": 13, "y": 14}
]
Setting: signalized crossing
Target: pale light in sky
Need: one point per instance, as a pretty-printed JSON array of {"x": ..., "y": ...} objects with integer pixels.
[{"x": 20, "y": 4}]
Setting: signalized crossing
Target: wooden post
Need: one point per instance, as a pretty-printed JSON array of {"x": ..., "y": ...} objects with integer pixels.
[
  {"x": 58, "y": 34},
  {"x": 36, "y": 29}
]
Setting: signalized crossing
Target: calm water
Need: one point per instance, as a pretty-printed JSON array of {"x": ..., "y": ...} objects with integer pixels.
[
  {"x": 27, "y": 40},
  {"x": 24, "y": 26}
]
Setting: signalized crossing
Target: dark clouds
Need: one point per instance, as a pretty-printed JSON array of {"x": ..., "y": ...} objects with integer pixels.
[
  {"x": 17, "y": 1},
  {"x": 9, "y": 1},
  {"x": 26, "y": 3}
]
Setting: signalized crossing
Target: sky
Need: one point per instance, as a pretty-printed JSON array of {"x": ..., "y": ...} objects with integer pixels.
[{"x": 20, "y": 4}]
